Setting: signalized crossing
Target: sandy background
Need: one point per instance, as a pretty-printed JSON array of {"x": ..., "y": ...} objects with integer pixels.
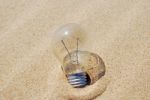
[{"x": 120, "y": 34}]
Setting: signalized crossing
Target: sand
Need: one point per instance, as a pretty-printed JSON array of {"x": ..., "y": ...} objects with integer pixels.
[{"x": 119, "y": 33}]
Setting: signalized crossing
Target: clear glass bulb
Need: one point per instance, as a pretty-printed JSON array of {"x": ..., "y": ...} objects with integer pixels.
[
  {"x": 67, "y": 34},
  {"x": 80, "y": 67}
]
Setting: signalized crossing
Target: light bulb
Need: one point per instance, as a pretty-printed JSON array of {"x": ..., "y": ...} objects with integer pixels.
[{"x": 80, "y": 66}]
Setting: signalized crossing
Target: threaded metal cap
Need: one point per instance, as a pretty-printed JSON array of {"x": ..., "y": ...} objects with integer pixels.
[{"x": 78, "y": 80}]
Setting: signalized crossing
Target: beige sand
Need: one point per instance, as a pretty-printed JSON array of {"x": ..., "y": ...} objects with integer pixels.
[{"x": 120, "y": 34}]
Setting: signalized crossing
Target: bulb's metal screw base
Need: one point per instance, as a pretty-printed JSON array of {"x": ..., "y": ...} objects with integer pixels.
[{"x": 78, "y": 80}]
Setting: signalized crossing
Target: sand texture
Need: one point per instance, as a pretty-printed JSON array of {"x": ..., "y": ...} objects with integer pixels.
[{"x": 119, "y": 32}]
